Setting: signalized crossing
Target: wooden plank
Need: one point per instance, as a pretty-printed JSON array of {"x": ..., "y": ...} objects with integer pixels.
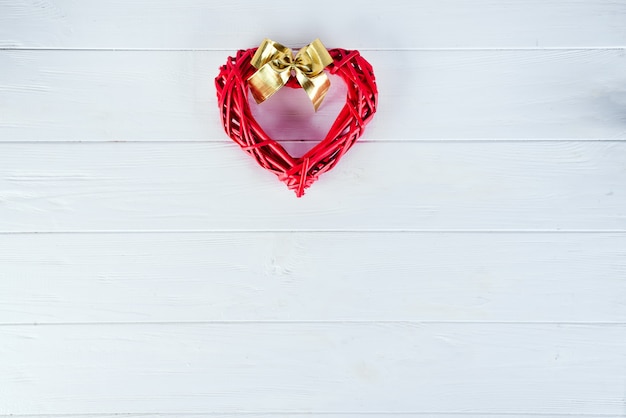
[
  {"x": 377, "y": 186},
  {"x": 61, "y": 278},
  {"x": 313, "y": 367},
  {"x": 169, "y": 95},
  {"x": 314, "y": 415},
  {"x": 237, "y": 24}
]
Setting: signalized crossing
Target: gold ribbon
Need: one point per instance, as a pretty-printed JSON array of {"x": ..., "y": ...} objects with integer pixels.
[{"x": 275, "y": 64}]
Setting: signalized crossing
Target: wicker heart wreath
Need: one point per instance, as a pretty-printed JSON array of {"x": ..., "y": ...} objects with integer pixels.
[{"x": 266, "y": 69}]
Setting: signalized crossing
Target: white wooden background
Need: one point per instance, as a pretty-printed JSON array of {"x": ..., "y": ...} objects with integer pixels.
[{"x": 469, "y": 263}]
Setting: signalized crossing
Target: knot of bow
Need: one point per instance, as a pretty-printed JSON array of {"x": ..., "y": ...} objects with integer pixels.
[{"x": 275, "y": 64}]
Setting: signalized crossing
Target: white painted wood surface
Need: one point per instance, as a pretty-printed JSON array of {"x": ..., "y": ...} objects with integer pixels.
[
  {"x": 501, "y": 185},
  {"x": 471, "y": 263},
  {"x": 314, "y": 367},
  {"x": 392, "y": 24},
  {"x": 303, "y": 276},
  {"x": 111, "y": 95}
]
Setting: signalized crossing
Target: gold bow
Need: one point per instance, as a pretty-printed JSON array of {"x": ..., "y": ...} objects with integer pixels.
[{"x": 275, "y": 63}]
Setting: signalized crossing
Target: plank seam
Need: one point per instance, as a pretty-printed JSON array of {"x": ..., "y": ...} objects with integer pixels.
[
  {"x": 591, "y": 48},
  {"x": 361, "y": 141},
  {"x": 325, "y": 231},
  {"x": 317, "y": 322},
  {"x": 310, "y": 413}
]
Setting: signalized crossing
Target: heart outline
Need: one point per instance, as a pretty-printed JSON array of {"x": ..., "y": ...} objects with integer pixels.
[{"x": 301, "y": 172}]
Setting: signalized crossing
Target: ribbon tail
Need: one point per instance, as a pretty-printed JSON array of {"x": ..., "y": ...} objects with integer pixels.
[
  {"x": 315, "y": 87},
  {"x": 266, "y": 81}
]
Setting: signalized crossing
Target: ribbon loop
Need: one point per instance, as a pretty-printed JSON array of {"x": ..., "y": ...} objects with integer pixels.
[{"x": 275, "y": 63}]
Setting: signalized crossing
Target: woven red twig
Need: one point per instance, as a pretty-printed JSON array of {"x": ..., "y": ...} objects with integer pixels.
[{"x": 297, "y": 173}]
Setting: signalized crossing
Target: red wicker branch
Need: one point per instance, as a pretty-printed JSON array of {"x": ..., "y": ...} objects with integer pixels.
[{"x": 297, "y": 173}]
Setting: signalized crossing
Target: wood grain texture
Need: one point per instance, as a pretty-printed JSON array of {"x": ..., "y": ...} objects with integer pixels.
[
  {"x": 181, "y": 277},
  {"x": 299, "y": 414},
  {"x": 313, "y": 367},
  {"x": 313, "y": 415},
  {"x": 351, "y": 24},
  {"x": 470, "y": 263},
  {"x": 194, "y": 186},
  {"x": 169, "y": 95}
]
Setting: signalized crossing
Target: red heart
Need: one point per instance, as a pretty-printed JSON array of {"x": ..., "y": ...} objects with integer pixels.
[{"x": 297, "y": 173}]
